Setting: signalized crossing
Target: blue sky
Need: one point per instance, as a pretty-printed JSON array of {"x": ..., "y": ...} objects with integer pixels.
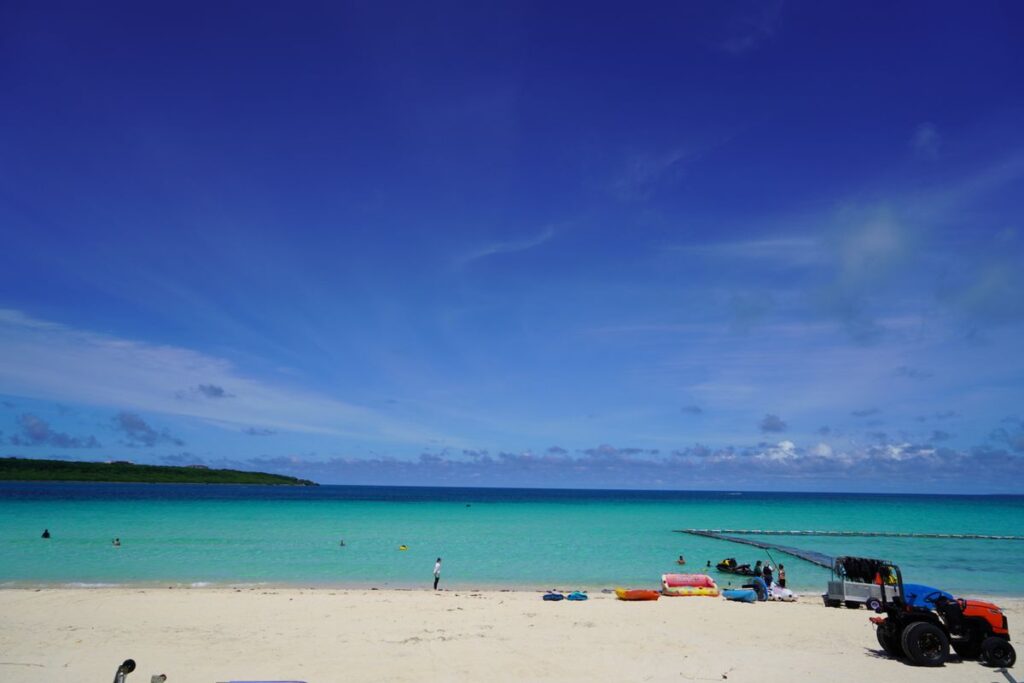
[{"x": 702, "y": 245}]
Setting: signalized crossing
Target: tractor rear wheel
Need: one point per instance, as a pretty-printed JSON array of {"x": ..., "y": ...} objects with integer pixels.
[
  {"x": 998, "y": 652},
  {"x": 925, "y": 644},
  {"x": 889, "y": 639}
]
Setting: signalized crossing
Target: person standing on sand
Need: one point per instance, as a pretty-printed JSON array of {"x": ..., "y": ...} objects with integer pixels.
[{"x": 437, "y": 572}]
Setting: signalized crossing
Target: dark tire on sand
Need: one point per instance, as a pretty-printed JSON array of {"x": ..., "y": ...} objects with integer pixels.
[
  {"x": 998, "y": 652},
  {"x": 925, "y": 644},
  {"x": 890, "y": 642}
]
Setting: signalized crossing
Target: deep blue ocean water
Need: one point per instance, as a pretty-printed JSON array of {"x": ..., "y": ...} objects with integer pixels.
[{"x": 195, "y": 534}]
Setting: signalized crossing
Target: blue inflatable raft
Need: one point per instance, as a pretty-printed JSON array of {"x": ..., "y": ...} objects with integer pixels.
[{"x": 740, "y": 594}]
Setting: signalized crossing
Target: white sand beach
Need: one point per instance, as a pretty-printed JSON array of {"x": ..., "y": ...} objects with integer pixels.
[{"x": 331, "y": 635}]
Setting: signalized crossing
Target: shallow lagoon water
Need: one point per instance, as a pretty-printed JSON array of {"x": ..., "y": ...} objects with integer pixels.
[{"x": 197, "y": 534}]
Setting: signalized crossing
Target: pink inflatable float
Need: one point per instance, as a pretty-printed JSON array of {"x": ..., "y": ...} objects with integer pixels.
[{"x": 688, "y": 585}]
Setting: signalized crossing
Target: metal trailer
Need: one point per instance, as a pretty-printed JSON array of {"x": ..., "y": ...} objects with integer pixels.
[{"x": 844, "y": 590}]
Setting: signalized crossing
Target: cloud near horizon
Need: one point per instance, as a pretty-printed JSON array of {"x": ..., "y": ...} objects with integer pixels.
[
  {"x": 35, "y": 431},
  {"x": 137, "y": 432},
  {"x": 779, "y": 466},
  {"x": 772, "y": 423},
  {"x": 258, "y": 431}
]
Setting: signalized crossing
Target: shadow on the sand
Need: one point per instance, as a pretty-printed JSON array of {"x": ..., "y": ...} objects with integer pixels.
[{"x": 882, "y": 654}]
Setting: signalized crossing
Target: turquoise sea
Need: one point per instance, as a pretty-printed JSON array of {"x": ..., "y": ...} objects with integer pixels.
[{"x": 516, "y": 538}]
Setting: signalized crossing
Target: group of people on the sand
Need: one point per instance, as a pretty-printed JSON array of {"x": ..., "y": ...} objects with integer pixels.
[
  {"x": 767, "y": 574},
  {"x": 765, "y": 571}
]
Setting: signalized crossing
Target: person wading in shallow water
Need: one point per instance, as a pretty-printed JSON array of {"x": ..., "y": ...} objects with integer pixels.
[{"x": 437, "y": 572}]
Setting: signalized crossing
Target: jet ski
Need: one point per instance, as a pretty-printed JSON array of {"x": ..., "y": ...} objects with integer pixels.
[{"x": 730, "y": 566}]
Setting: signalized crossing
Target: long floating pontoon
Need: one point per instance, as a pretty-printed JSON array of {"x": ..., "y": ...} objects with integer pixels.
[
  {"x": 819, "y": 559},
  {"x": 865, "y": 534}
]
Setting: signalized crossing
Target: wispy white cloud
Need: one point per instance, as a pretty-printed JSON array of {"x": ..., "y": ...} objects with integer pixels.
[
  {"x": 925, "y": 141},
  {"x": 989, "y": 289},
  {"x": 643, "y": 173},
  {"x": 45, "y": 360},
  {"x": 508, "y": 247},
  {"x": 792, "y": 250},
  {"x": 751, "y": 29}
]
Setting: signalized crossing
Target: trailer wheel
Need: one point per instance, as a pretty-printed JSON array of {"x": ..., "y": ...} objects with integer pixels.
[
  {"x": 998, "y": 652},
  {"x": 832, "y": 603},
  {"x": 889, "y": 639},
  {"x": 852, "y": 604},
  {"x": 874, "y": 604},
  {"x": 925, "y": 644}
]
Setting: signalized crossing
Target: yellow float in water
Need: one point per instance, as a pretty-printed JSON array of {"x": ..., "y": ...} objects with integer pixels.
[{"x": 403, "y": 547}]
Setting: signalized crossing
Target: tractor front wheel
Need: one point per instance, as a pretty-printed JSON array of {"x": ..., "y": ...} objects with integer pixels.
[
  {"x": 998, "y": 652},
  {"x": 925, "y": 644}
]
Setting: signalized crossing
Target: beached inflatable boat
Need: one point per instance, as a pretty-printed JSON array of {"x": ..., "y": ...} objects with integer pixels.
[
  {"x": 690, "y": 592},
  {"x": 781, "y": 594},
  {"x": 636, "y": 594},
  {"x": 740, "y": 595},
  {"x": 688, "y": 586}
]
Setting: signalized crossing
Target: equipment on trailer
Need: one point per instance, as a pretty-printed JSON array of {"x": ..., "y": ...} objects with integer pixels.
[{"x": 859, "y": 581}]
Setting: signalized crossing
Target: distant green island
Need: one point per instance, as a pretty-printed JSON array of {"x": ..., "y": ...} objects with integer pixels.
[{"x": 26, "y": 469}]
